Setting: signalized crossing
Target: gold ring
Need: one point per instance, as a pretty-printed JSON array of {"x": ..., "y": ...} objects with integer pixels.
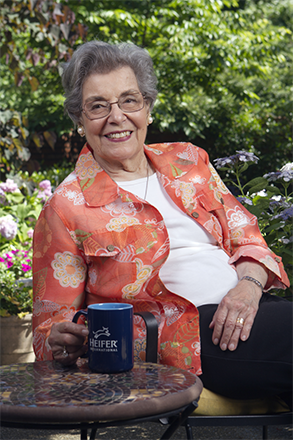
[{"x": 240, "y": 321}]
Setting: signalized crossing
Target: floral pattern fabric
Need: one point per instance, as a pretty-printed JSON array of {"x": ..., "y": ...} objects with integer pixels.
[{"x": 95, "y": 242}]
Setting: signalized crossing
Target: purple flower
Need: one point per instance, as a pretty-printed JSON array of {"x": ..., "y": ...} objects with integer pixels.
[
  {"x": 241, "y": 156},
  {"x": 222, "y": 161},
  {"x": 244, "y": 200},
  {"x": 286, "y": 214},
  {"x": 278, "y": 202},
  {"x": 286, "y": 173},
  {"x": 244, "y": 156},
  {"x": 8, "y": 227},
  {"x": 9, "y": 186}
]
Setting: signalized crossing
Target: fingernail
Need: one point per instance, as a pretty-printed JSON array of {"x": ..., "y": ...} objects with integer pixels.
[
  {"x": 231, "y": 347},
  {"x": 216, "y": 341},
  {"x": 224, "y": 347},
  {"x": 243, "y": 338},
  {"x": 85, "y": 332}
]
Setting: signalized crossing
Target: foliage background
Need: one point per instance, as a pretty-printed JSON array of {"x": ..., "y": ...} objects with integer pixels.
[{"x": 224, "y": 70}]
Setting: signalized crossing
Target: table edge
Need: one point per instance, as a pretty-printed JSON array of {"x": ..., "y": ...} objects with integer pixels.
[{"x": 95, "y": 413}]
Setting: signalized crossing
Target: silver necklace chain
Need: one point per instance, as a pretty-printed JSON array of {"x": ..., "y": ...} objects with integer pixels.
[{"x": 147, "y": 182}]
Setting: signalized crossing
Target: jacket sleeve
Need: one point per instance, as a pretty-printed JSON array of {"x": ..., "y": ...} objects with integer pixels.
[
  {"x": 242, "y": 237},
  {"x": 59, "y": 275}
]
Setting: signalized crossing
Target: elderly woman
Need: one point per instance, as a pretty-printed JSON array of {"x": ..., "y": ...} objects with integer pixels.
[{"x": 154, "y": 226}]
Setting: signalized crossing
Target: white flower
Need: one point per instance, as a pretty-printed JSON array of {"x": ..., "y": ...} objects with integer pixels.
[
  {"x": 8, "y": 227},
  {"x": 287, "y": 167}
]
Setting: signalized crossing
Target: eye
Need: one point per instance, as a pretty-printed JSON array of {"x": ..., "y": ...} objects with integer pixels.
[
  {"x": 129, "y": 99},
  {"x": 97, "y": 105}
]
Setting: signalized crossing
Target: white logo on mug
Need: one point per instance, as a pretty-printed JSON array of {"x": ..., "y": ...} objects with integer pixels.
[
  {"x": 103, "y": 344},
  {"x": 104, "y": 331}
]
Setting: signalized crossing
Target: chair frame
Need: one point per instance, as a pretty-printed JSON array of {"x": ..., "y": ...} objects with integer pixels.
[{"x": 263, "y": 420}]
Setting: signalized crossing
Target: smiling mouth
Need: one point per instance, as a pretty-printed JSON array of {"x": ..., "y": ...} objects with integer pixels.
[{"x": 123, "y": 134}]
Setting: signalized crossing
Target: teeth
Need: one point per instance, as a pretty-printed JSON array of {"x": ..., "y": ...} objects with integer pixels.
[{"x": 119, "y": 135}]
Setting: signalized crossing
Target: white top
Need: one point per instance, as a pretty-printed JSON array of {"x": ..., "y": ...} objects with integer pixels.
[{"x": 197, "y": 268}]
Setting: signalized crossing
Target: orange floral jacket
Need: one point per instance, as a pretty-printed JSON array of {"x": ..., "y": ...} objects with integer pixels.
[{"x": 95, "y": 242}]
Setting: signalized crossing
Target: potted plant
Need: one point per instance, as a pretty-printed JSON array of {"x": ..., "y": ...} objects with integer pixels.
[
  {"x": 16, "y": 306},
  {"x": 20, "y": 205}
]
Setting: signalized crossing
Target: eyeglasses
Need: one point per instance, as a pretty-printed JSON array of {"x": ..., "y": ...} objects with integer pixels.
[{"x": 129, "y": 103}]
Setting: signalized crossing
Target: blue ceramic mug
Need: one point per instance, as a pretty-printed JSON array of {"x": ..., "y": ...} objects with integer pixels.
[{"x": 110, "y": 339}]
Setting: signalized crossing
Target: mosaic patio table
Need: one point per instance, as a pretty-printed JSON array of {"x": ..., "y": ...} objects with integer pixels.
[{"x": 49, "y": 396}]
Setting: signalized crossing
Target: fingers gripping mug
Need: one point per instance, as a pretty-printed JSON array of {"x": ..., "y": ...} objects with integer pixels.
[{"x": 110, "y": 340}]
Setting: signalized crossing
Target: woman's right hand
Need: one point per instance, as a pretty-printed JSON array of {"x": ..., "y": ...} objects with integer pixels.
[{"x": 67, "y": 341}]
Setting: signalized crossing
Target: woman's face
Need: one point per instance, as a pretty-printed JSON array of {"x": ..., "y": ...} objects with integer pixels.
[{"x": 119, "y": 136}]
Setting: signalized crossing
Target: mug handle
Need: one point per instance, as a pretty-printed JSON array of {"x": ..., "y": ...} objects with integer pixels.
[
  {"x": 151, "y": 325},
  {"x": 74, "y": 319},
  {"x": 77, "y": 315}
]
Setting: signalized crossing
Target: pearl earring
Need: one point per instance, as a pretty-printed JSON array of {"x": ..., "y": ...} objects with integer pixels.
[
  {"x": 81, "y": 131},
  {"x": 150, "y": 119}
]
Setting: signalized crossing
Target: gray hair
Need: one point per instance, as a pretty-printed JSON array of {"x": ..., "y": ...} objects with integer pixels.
[{"x": 100, "y": 57}]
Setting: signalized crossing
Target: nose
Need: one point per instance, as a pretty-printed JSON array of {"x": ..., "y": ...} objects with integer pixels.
[{"x": 116, "y": 115}]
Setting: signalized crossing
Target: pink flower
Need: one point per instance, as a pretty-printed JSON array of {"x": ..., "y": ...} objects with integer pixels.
[
  {"x": 45, "y": 190},
  {"x": 25, "y": 267},
  {"x": 45, "y": 185},
  {"x": 2, "y": 196},
  {"x": 9, "y": 186},
  {"x": 30, "y": 233}
]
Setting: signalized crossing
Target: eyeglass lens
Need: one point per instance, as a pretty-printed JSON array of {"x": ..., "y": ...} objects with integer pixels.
[{"x": 96, "y": 109}]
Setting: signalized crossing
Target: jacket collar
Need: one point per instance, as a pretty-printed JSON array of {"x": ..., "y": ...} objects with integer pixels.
[{"x": 99, "y": 189}]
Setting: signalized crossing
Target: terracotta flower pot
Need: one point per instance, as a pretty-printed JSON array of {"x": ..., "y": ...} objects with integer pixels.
[{"x": 16, "y": 340}]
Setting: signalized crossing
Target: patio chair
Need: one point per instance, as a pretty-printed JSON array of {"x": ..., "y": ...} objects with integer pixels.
[{"x": 216, "y": 410}]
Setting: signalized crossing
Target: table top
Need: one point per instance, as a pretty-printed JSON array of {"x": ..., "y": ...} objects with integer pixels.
[{"x": 47, "y": 392}]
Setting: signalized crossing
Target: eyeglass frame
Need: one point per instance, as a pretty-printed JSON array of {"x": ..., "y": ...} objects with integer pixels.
[{"x": 116, "y": 102}]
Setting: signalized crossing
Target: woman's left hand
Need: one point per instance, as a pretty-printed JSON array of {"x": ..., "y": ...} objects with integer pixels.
[{"x": 235, "y": 315}]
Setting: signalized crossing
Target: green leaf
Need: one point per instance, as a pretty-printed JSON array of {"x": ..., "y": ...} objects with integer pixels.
[
  {"x": 51, "y": 138},
  {"x": 37, "y": 140},
  {"x": 258, "y": 181},
  {"x": 34, "y": 83},
  {"x": 257, "y": 184},
  {"x": 274, "y": 227}
]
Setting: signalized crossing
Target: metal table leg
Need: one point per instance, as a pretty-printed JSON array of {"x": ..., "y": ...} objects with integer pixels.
[
  {"x": 83, "y": 434},
  {"x": 179, "y": 420},
  {"x": 93, "y": 434}
]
